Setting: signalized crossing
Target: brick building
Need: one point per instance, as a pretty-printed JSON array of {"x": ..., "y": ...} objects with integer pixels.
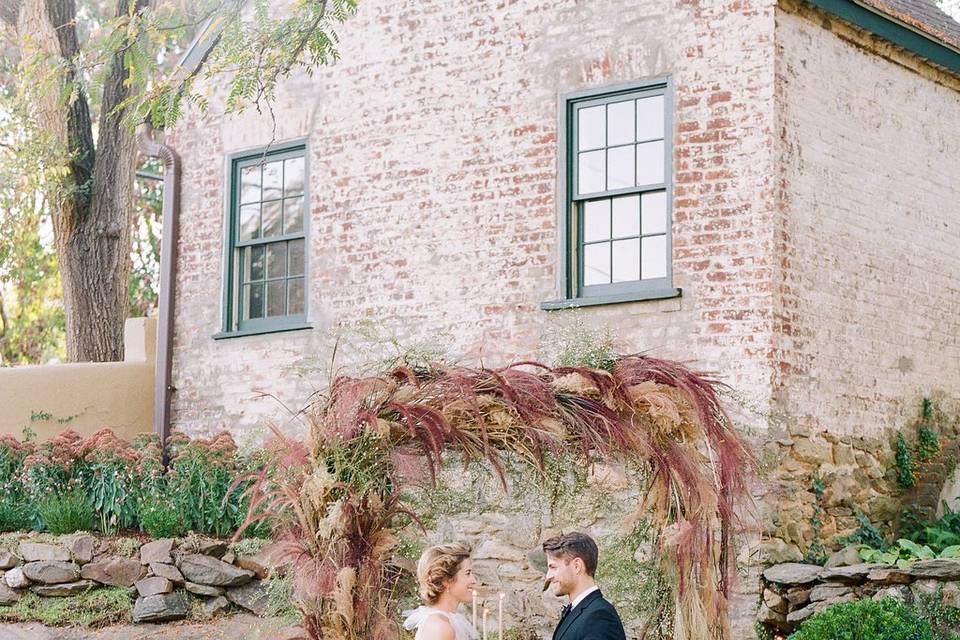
[{"x": 770, "y": 190}]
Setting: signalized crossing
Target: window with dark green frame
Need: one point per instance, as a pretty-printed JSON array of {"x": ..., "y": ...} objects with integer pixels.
[
  {"x": 618, "y": 186},
  {"x": 267, "y": 252}
]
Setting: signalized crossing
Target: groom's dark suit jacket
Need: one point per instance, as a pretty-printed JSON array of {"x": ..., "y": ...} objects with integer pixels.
[{"x": 592, "y": 619}]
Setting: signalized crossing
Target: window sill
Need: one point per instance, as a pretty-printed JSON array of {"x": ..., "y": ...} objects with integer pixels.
[
  {"x": 223, "y": 335},
  {"x": 614, "y": 298}
]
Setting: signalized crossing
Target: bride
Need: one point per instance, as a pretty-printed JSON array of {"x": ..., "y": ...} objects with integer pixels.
[{"x": 445, "y": 574}]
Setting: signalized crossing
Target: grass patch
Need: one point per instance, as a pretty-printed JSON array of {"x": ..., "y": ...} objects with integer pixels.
[{"x": 96, "y": 608}]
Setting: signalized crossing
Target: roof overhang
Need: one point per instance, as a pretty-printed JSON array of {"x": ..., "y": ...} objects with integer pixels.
[{"x": 899, "y": 33}]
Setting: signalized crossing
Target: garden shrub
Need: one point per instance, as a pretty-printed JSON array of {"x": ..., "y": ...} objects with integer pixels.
[
  {"x": 163, "y": 518},
  {"x": 67, "y": 512},
  {"x": 884, "y": 619}
]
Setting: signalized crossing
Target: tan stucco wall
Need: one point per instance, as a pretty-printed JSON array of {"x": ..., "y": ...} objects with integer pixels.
[{"x": 85, "y": 397}]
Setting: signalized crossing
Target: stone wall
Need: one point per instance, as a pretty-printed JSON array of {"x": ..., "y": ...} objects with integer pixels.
[{"x": 161, "y": 572}]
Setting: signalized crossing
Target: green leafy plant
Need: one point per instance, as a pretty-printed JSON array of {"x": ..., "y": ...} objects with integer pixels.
[
  {"x": 14, "y": 516},
  {"x": 816, "y": 552},
  {"x": 865, "y": 534},
  {"x": 904, "y": 553},
  {"x": 163, "y": 518},
  {"x": 906, "y": 467},
  {"x": 67, "y": 513},
  {"x": 944, "y": 619},
  {"x": 884, "y": 619}
]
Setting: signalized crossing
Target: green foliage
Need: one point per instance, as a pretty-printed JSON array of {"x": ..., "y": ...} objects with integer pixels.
[
  {"x": 248, "y": 546},
  {"x": 866, "y": 534},
  {"x": 94, "y": 608},
  {"x": 884, "y": 619},
  {"x": 637, "y": 587},
  {"x": 14, "y": 516},
  {"x": 928, "y": 444},
  {"x": 163, "y": 518},
  {"x": 67, "y": 513},
  {"x": 126, "y": 547},
  {"x": 938, "y": 535},
  {"x": 943, "y": 619},
  {"x": 905, "y": 552},
  {"x": 574, "y": 342},
  {"x": 906, "y": 467},
  {"x": 281, "y": 598}
]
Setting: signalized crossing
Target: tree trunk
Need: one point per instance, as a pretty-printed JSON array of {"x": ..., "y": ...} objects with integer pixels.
[{"x": 92, "y": 211}]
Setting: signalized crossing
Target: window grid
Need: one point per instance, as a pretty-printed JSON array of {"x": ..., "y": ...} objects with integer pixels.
[
  {"x": 643, "y": 136},
  {"x": 268, "y": 252}
]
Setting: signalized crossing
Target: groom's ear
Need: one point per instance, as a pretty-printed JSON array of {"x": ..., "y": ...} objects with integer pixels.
[{"x": 578, "y": 565}]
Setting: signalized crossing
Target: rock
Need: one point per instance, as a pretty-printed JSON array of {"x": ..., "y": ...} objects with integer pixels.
[
  {"x": 229, "y": 557},
  {"x": 938, "y": 568},
  {"x": 776, "y": 551},
  {"x": 65, "y": 589},
  {"x": 884, "y": 508},
  {"x": 897, "y": 593},
  {"x": 793, "y": 573},
  {"x": 828, "y": 592},
  {"x": 8, "y": 560},
  {"x": 7, "y": 595},
  {"x": 812, "y": 450},
  {"x": 950, "y": 493},
  {"x": 214, "y": 606},
  {"x": 167, "y": 571},
  {"x": 890, "y": 576},
  {"x": 844, "y": 558},
  {"x": 251, "y": 596},
  {"x": 766, "y": 615},
  {"x": 82, "y": 547},
  {"x": 774, "y": 601},
  {"x": 202, "y": 589},
  {"x": 157, "y": 551},
  {"x": 796, "y": 598},
  {"x": 51, "y": 571},
  {"x": 37, "y": 551},
  {"x": 15, "y": 579},
  {"x": 951, "y": 595},
  {"x": 493, "y": 550},
  {"x": 214, "y": 548},
  {"x": 925, "y": 587},
  {"x": 853, "y": 574},
  {"x": 116, "y": 571},
  {"x": 816, "y": 607},
  {"x": 160, "y": 608},
  {"x": 537, "y": 559},
  {"x": 153, "y": 586},
  {"x": 204, "y": 569}
]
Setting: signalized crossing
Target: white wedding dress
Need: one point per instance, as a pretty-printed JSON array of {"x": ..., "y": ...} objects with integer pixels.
[{"x": 462, "y": 628}]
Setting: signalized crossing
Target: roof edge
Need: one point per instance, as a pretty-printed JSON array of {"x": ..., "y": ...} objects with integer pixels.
[{"x": 899, "y": 33}]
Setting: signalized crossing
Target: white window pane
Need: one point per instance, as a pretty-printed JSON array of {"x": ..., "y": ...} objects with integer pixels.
[
  {"x": 295, "y": 296},
  {"x": 654, "y": 255},
  {"x": 590, "y": 172},
  {"x": 277, "y": 298},
  {"x": 591, "y": 127},
  {"x": 596, "y": 263},
  {"x": 250, "y": 184},
  {"x": 621, "y": 121},
  {"x": 295, "y": 257},
  {"x": 654, "y": 211},
  {"x": 250, "y": 221},
  {"x": 272, "y": 218},
  {"x": 650, "y": 163},
  {"x": 293, "y": 215},
  {"x": 620, "y": 167},
  {"x": 626, "y": 260},
  {"x": 650, "y": 118},
  {"x": 253, "y": 263},
  {"x": 273, "y": 180},
  {"x": 293, "y": 176},
  {"x": 596, "y": 220},
  {"x": 277, "y": 260},
  {"x": 253, "y": 301},
  {"x": 626, "y": 217}
]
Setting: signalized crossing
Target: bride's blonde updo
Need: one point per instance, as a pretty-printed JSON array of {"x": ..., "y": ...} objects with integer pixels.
[{"x": 437, "y": 565}]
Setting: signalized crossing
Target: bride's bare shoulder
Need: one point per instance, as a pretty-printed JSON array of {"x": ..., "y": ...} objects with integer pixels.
[{"x": 437, "y": 627}]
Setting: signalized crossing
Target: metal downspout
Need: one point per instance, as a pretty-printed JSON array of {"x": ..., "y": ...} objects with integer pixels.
[{"x": 163, "y": 389}]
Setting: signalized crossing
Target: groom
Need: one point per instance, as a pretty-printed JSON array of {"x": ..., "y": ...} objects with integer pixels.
[{"x": 571, "y": 563}]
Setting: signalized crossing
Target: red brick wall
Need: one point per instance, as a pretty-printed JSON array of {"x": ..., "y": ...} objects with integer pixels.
[{"x": 434, "y": 172}]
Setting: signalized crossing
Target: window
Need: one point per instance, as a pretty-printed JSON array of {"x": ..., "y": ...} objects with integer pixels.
[
  {"x": 266, "y": 260},
  {"x": 617, "y": 157}
]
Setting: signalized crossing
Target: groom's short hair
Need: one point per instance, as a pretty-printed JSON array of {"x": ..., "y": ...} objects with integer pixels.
[{"x": 574, "y": 545}]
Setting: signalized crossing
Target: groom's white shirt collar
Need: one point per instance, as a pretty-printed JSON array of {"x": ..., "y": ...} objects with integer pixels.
[{"x": 574, "y": 603}]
